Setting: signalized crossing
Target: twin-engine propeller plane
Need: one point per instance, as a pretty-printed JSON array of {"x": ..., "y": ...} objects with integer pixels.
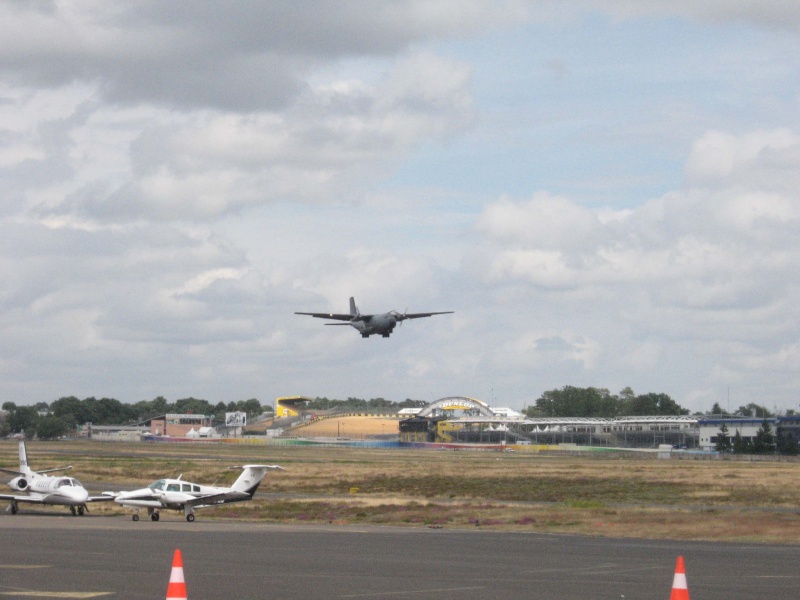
[
  {"x": 177, "y": 494},
  {"x": 38, "y": 488},
  {"x": 367, "y": 325}
]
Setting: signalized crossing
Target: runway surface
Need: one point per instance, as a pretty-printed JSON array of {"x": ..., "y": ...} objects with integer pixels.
[{"x": 55, "y": 556}]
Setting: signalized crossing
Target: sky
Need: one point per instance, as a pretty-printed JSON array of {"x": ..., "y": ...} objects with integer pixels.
[{"x": 606, "y": 193}]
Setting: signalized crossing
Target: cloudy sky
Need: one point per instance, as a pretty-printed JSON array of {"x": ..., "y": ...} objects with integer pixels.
[{"x": 606, "y": 195}]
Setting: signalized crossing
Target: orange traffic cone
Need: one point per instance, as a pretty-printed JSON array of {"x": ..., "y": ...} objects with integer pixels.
[
  {"x": 176, "y": 590},
  {"x": 680, "y": 590}
]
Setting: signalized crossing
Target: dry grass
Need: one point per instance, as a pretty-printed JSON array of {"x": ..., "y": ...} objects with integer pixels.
[
  {"x": 350, "y": 427},
  {"x": 634, "y": 497}
]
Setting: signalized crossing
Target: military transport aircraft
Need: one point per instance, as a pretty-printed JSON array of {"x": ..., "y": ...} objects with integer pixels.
[
  {"x": 177, "y": 494},
  {"x": 38, "y": 488},
  {"x": 368, "y": 325}
]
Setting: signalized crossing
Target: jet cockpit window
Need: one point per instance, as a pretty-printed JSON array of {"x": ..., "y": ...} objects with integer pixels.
[
  {"x": 64, "y": 482},
  {"x": 158, "y": 485},
  {"x": 174, "y": 487},
  {"x": 77, "y": 483}
]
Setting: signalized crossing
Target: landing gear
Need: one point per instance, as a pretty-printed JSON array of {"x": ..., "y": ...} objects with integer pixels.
[
  {"x": 155, "y": 516},
  {"x": 14, "y": 508},
  {"x": 81, "y": 510},
  {"x": 190, "y": 517},
  {"x": 135, "y": 517},
  {"x": 73, "y": 510}
]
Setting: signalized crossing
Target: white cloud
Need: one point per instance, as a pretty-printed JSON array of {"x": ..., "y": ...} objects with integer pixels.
[
  {"x": 176, "y": 183},
  {"x": 202, "y": 165}
]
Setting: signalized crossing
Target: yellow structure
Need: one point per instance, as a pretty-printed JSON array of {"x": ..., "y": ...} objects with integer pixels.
[{"x": 290, "y": 406}]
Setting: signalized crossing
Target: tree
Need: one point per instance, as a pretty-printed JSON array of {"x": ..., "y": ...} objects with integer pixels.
[
  {"x": 577, "y": 402},
  {"x": 717, "y": 410},
  {"x": 753, "y": 410},
  {"x": 741, "y": 445},
  {"x": 51, "y": 428},
  {"x": 764, "y": 442},
  {"x": 723, "y": 440},
  {"x": 786, "y": 444},
  {"x": 23, "y": 419}
]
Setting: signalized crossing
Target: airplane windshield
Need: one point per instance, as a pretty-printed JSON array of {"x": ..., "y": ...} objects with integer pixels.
[
  {"x": 68, "y": 481},
  {"x": 158, "y": 485}
]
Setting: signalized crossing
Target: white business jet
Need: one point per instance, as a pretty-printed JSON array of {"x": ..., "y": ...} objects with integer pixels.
[
  {"x": 38, "y": 488},
  {"x": 177, "y": 494}
]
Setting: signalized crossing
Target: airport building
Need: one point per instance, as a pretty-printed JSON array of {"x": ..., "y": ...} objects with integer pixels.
[
  {"x": 747, "y": 428},
  {"x": 178, "y": 425},
  {"x": 467, "y": 420}
]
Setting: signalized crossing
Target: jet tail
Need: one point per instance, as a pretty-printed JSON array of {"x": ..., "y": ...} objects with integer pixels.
[
  {"x": 251, "y": 477},
  {"x": 354, "y": 308},
  {"x": 25, "y": 469},
  {"x": 23, "y": 460}
]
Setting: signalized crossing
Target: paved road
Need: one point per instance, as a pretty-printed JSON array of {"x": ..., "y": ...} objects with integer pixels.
[{"x": 113, "y": 557}]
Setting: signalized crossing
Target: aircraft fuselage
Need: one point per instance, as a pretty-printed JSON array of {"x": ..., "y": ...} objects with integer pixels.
[
  {"x": 58, "y": 490},
  {"x": 382, "y": 324}
]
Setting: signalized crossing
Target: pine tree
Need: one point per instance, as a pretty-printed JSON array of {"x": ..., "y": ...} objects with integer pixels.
[
  {"x": 723, "y": 440},
  {"x": 740, "y": 445},
  {"x": 764, "y": 442}
]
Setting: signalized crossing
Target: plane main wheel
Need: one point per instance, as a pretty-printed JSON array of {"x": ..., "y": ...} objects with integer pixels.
[
  {"x": 190, "y": 518},
  {"x": 14, "y": 508},
  {"x": 73, "y": 511},
  {"x": 154, "y": 516},
  {"x": 135, "y": 517}
]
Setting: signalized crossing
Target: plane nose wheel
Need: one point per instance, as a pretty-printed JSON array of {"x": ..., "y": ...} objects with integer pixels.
[{"x": 135, "y": 517}]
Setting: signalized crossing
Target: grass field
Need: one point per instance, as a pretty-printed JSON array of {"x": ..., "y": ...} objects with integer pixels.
[{"x": 607, "y": 495}]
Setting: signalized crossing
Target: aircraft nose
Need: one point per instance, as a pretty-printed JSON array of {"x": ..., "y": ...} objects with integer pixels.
[{"x": 78, "y": 495}]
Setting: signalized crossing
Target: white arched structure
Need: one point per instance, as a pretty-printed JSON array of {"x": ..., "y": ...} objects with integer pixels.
[{"x": 451, "y": 403}]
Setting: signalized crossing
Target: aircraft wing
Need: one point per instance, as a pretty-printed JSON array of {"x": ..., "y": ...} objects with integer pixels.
[
  {"x": 333, "y": 316},
  {"x": 54, "y": 470},
  {"x": 427, "y": 314},
  {"x": 101, "y": 498},
  {"x": 15, "y": 498},
  {"x": 145, "y": 494},
  {"x": 216, "y": 499}
]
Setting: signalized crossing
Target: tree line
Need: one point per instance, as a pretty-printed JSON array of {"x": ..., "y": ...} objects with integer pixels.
[
  {"x": 600, "y": 403},
  {"x": 62, "y": 416}
]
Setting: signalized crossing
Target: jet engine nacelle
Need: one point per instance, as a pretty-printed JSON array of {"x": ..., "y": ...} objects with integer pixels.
[{"x": 19, "y": 483}]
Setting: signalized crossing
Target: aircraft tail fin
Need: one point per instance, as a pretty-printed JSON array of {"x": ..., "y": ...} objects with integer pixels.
[
  {"x": 251, "y": 477},
  {"x": 24, "y": 468},
  {"x": 353, "y": 307}
]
